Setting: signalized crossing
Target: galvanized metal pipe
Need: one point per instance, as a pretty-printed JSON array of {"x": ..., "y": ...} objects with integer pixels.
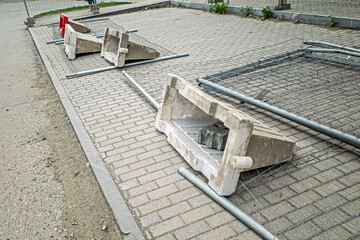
[
  {"x": 332, "y": 45},
  {"x": 334, "y": 60},
  {"x": 83, "y": 21},
  {"x": 26, "y": 8},
  {"x": 61, "y": 41},
  {"x": 344, "y": 137},
  {"x": 320, "y": 50},
  {"x": 126, "y": 65},
  {"x": 142, "y": 91},
  {"x": 225, "y": 203}
]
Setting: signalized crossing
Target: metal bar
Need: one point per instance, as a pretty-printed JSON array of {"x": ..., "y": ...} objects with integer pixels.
[
  {"x": 95, "y": 5},
  {"x": 126, "y": 65},
  {"x": 83, "y": 21},
  {"x": 61, "y": 41},
  {"x": 332, "y": 45},
  {"x": 332, "y": 51},
  {"x": 142, "y": 91},
  {"x": 344, "y": 137},
  {"x": 225, "y": 203},
  {"x": 330, "y": 59},
  {"x": 26, "y": 8},
  {"x": 279, "y": 56}
]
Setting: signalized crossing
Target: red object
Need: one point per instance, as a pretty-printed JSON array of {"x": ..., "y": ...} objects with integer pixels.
[
  {"x": 63, "y": 21},
  {"x": 78, "y": 27}
]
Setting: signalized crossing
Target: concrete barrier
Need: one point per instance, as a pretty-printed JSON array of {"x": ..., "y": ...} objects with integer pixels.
[
  {"x": 186, "y": 110},
  {"x": 77, "y": 43},
  {"x": 117, "y": 48}
]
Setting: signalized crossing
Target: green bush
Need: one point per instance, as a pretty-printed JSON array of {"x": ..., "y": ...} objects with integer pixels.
[
  {"x": 246, "y": 11},
  {"x": 267, "y": 13},
  {"x": 219, "y": 7}
]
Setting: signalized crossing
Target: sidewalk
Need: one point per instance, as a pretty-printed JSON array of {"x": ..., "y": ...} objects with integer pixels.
[{"x": 317, "y": 199}]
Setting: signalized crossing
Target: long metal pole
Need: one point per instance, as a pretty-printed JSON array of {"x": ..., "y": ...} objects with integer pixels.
[
  {"x": 84, "y": 21},
  {"x": 126, "y": 65},
  {"x": 142, "y": 91},
  {"x": 225, "y": 203},
  {"x": 332, "y": 45},
  {"x": 320, "y": 50},
  {"x": 26, "y": 8},
  {"x": 344, "y": 137}
]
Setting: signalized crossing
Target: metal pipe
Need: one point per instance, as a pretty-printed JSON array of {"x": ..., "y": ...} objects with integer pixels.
[
  {"x": 83, "y": 21},
  {"x": 126, "y": 65},
  {"x": 262, "y": 61},
  {"x": 332, "y": 51},
  {"x": 344, "y": 137},
  {"x": 330, "y": 59},
  {"x": 225, "y": 203},
  {"x": 61, "y": 41},
  {"x": 142, "y": 91},
  {"x": 332, "y": 45},
  {"x": 26, "y": 8}
]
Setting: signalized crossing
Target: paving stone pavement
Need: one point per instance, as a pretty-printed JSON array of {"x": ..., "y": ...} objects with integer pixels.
[{"x": 314, "y": 196}]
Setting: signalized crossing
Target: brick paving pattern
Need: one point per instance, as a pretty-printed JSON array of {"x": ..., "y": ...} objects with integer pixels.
[{"x": 316, "y": 196}]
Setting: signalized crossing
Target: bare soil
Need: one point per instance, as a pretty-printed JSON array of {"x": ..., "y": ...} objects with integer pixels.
[{"x": 47, "y": 189}]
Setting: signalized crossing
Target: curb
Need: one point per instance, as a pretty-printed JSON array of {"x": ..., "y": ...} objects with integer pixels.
[
  {"x": 352, "y": 23},
  {"x": 120, "y": 210}
]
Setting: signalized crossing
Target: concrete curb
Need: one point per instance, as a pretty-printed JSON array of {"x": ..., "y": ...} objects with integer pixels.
[
  {"x": 283, "y": 15},
  {"x": 120, "y": 210}
]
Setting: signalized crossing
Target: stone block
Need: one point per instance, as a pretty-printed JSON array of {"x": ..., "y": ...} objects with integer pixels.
[
  {"x": 117, "y": 48},
  {"x": 250, "y": 144},
  {"x": 214, "y": 136},
  {"x": 77, "y": 43}
]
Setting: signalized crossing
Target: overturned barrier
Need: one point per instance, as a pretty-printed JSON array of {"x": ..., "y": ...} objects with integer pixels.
[
  {"x": 77, "y": 43},
  {"x": 78, "y": 27},
  {"x": 117, "y": 48},
  {"x": 186, "y": 110}
]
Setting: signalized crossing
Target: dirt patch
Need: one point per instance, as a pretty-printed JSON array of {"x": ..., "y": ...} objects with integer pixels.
[{"x": 85, "y": 212}]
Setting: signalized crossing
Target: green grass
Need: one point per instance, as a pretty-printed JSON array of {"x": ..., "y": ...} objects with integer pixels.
[{"x": 102, "y": 4}]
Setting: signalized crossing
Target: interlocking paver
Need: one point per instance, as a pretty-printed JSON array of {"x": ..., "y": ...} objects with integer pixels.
[{"x": 120, "y": 123}]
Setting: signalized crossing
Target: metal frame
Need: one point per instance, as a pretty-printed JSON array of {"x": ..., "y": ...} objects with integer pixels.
[{"x": 306, "y": 52}]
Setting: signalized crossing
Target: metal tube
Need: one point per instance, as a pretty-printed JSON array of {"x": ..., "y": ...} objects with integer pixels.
[
  {"x": 335, "y": 60},
  {"x": 225, "y": 203},
  {"x": 26, "y": 8},
  {"x": 332, "y": 45},
  {"x": 262, "y": 61},
  {"x": 126, "y": 65},
  {"x": 344, "y": 137},
  {"x": 332, "y": 51},
  {"x": 142, "y": 91},
  {"x": 61, "y": 41},
  {"x": 83, "y": 21}
]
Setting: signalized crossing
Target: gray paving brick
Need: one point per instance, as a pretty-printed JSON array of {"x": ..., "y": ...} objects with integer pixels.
[
  {"x": 304, "y": 231},
  {"x": 118, "y": 161},
  {"x": 277, "y": 210},
  {"x": 143, "y": 188},
  {"x": 174, "y": 210},
  {"x": 220, "y": 219},
  {"x": 197, "y": 214},
  {"x": 329, "y": 188},
  {"x": 352, "y": 226},
  {"x": 184, "y": 195},
  {"x": 154, "y": 205},
  {"x": 163, "y": 181},
  {"x": 166, "y": 226},
  {"x": 304, "y": 198},
  {"x": 139, "y": 200},
  {"x": 222, "y": 232},
  {"x": 199, "y": 200},
  {"x": 157, "y": 166},
  {"x": 304, "y": 185},
  {"x": 150, "y": 219},
  {"x": 166, "y": 237},
  {"x": 279, "y": 195},
  {"x": 133, "y": 174},
  {"x": 192, "y": 230},
  {"x": 248, "y": 235},
  {"x": 141, "y": 164}
]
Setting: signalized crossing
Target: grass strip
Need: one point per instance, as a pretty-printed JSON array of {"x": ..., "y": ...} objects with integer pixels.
[{"x": 102, "y": 4}]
